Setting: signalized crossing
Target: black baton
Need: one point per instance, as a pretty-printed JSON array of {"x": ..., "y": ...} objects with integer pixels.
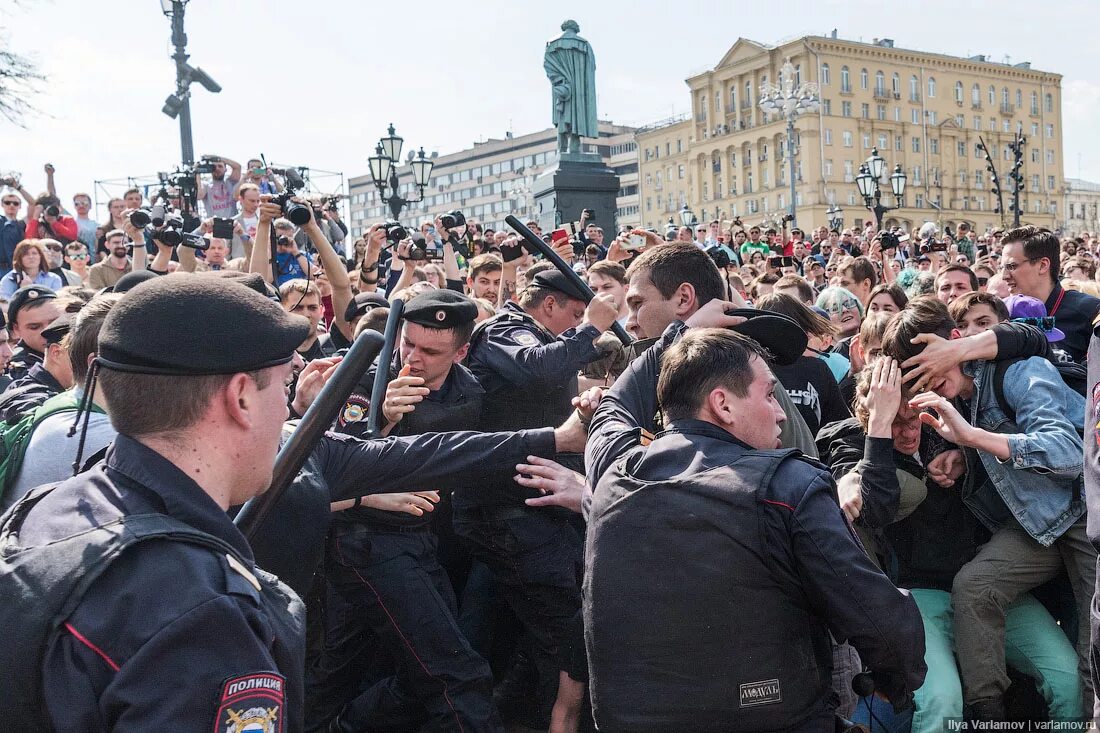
[{"x": 382, "y": 375}]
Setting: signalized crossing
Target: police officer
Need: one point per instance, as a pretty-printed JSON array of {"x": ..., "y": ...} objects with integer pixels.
[
  {"x": 103, "y": 628},
  {"x": 385, "y": 584},
  {"x": 527, "y": 358},
  {"x": 30, "y": 310},
  {"x": 43, "y": 380},
  {"x": 736, "y": 553}
]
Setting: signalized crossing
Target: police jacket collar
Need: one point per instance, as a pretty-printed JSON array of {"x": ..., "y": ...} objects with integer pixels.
[
  {"x": 182, "y": 498},
  {"x": 691, "y": 426}
]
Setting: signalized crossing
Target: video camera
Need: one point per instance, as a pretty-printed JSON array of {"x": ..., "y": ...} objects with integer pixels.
[
  {"x": 394, "y": 232},
  {"x": 933, "y": 246},
  {"x": 889, "y": 240},
  {"x": 206, "y": 164}
]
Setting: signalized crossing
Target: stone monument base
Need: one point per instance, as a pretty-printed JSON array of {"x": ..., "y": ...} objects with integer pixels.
[{"x": 578, "y": 181}]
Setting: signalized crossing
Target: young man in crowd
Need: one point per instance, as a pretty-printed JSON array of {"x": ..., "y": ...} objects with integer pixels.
[
  {"x": 858, "y": 276},
  {"x": 30, "y": 311},
  {"x": 110, "y": 270},
  {"x": 483, "y": 278},
  {"x": 1023, "y": 485},
  {"x": 217, "y": 195},
  {"x": 955, "y": 281},
  {"x": 85, "y": 225}
]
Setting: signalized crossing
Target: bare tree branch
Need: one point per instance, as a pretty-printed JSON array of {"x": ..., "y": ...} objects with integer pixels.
[{"x": 20, "y": 82}]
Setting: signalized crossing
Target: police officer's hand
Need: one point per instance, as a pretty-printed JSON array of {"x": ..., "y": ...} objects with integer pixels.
[
  {"x": 311, "y": 380},
  {"x": 558, "y": 485},
  {"x": 403, "y": 395},
  {"x": 946, "y": 420},
  {"x": 414, "y": 503},
  {"x": 851, "y": 495},
  {"x": 713, "y": 315},
  {"x": 927, "y": 369},
  {"x": 946, "y": 468},
  {"x": 602, "y": 312},
  {"x": 883, "y": 397},
  {"x": 587, "y": 402}
]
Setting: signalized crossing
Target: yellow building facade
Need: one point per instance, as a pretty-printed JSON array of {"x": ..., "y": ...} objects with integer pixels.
[{"x": 924, "y": 111}]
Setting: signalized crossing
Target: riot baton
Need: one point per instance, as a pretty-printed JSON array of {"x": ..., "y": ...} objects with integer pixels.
[
  {"x": 537, "y": 245},
  {"x": 382, "y": 374},
  {"x": 314, "y": 423}
]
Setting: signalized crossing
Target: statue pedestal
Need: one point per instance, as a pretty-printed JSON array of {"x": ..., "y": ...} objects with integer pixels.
[{"x": 578, "y": 181}]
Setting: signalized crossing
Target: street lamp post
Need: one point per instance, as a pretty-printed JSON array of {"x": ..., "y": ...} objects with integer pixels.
[
  {"x": 179, "y": 104},
  {"x": 836, "y": 216},
  {"x": 869, "y": 188},
  {"x": 687, "y": 216},
  {"x": 383, "y": 170},
  {"x": 790, "y": 101}
]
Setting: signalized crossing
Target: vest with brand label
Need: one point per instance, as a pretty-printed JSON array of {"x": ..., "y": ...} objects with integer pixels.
[
  {"x": 43, "y": 585},
  {"x": 688, "y": 624}
]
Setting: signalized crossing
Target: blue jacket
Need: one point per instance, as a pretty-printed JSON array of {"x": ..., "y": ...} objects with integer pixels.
[{"x": 1041, "y": 481}]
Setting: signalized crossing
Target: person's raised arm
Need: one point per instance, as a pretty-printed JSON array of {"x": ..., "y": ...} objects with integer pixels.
[
  {"x": 51, "y": 188},
  {"x": 137, "y": 236},
  {"x": 200, "y": 189},
  {"x": 401, "y": 263},
  {"x": 450, "y": 259},
  {"x": 337, "y": 274},
  {"x": 234, "y": 168},
  {"x": 261, "y": 250}
]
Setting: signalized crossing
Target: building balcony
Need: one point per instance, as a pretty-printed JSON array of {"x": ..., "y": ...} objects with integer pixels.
[
  {"x": 976, "y": 106},
  {"x": 882, "y": 94},
  {"x": 914, "y": 97},
  {"x": 1008, "y": 109}
]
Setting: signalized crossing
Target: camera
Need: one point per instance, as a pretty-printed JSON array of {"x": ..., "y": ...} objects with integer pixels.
[
  {"x": 889, "y": 240},
  {"x": 53, "y": 210},
  {"x": 299, "y": 214},
  {"x": 933, "y": 246},
  {"x": 788, "y": 218},
  {"x": 394, "y": 232},
  {"x": 331, "y": 203},
  {"x": 720, "y": 258},
  {"x": 452, "y": 219}
]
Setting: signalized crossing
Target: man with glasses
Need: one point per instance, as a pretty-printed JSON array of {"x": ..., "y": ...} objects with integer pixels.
[
  {"x": 701, "y": 236},
  {"x": 1030, "y": 266},
  {"x": 755, "y": 244},
  {"x": 77, "y": 257},
  {"x": 13, "y": 230},
  {"x": 85, "y": 225}
]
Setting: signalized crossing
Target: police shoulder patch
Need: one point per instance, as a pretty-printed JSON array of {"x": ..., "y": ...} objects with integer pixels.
[
  {"x": 356, "y": 409},
  {"x": 523, "y": 338},
  {"x": 252, "y": 703}
]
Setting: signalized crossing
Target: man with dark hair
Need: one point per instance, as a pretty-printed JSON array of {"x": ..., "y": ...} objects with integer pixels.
[
  {"x": 30, "y": 311},
  {"x": 53, "y": 376},
  {"x": 709, "y": 529},
  {"x": 858, "y": 276},
  {"x": 955, "y": 281},
  {"x": 1030, "y": 266},
  {"x": 796, "y": 287},
  {"x": 483, "y": 278}
]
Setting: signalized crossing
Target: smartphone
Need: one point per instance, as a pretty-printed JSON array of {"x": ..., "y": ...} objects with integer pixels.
[
  {"x": 223, "y": 228},
  {"x": 511, "y": 252},
  {"x": 558, "y": 236},
  {"x": 777, "y": 262},
  {"x": 590, "y": 214},
  {"x": 637, "y": 241}
]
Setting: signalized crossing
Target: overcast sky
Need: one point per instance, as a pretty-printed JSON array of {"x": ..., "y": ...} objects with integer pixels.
[{"x": 316, "y": 83}]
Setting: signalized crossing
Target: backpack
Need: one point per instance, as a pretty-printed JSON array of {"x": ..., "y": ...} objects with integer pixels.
[
  {"x": 15, "y": 437},
  {"x": 1073, "y": 374}
]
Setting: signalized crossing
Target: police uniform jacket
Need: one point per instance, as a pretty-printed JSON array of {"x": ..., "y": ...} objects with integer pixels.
[
  {"x": 714, "y": 574},
  {"x": 24, "y": 395}
]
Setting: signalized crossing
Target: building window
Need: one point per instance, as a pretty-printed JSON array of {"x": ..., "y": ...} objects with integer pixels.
[
  {"x": 880, "y": 112},
  {"x": 992, "y": 95},
  {"x": 931, "y": 117},
  {"x": 882, "y": 141},
  {"x": 895, "y": 84},
  {"x": 962, "y": 149},
  {"x": 919, "y": 202},
  {"x": 915, "y": 115},
  {"x": 916, "y": 175},
  {"x": 977, "y": 123},
  {"x": 1005, "y": 97},
  {"x": 866, "y": 141},
  {"x": 978, "y": 179},
  {"x": 1019, "y": 99},
  {"x": 747, "y": 101},
  {"x": 1035, "y": 129},
  {"x": 733, "y": 98},
  {"x": 897, "y": 114},
  {"x": 934, "y": 146},
  {"x": 1050, "y": 183},
  {"x": 1007, "y": 125},
  {"x": 845, "y": 79},
  {"x": 897, "y": 143},
  {"x": 880, "y": 84},
  {"x": 825, "y": 77},
  {"x": 977, "y": 151},
  {"x": 914, "y": 89},
  {"x": 828, "y": 136},
  {"x": 848, "y": 171},
  {"x": 865, "y": 111},
  {"x": 931, "y": 86},
  {"x": 976, "y": 95},
  {"x": 827, "y": 107},
  {"x": 1050, "y": 103},
  {"x": 1050, "y": 157},
  {"x": 828, "y": 167},
  {"x": 1035, "y": 182},
  {"x": 959, "y": 92},
  {"x": 863, "y": 78},
  {"x": 845, "y": 109},
  {"x": 1034, "y": 155},
  {"x": 916, "y": 145},
  {"x": 847, "y": 135},
  {"x": 680, "y": 172},
  {"x": 960, "y": 121},
  {"x": 798, "y": 75},
  {"x": 1050, "y": 130},
  {"x": 1034, "y": 103}
]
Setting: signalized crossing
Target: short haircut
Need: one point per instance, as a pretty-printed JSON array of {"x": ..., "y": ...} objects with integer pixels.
[
  {"x": 700, "y": 362},
  {"x": 373, "y": 320},
  {"x": 958, "y": 268},
  {"x": 282, "y": 223},
  {"x": 76, "y": 247},
  {"x": 805, "y": 290},
  {"x": 610, "y": 269},
  {"x": 83, "y": 337},
  {"x": 809, "y": 321},
  {"x": 1038, "y": 243},
  {"x": 859, "y": 269},
  {"x": 180, "y": 401},
  {"x": 298, "y": 286},
  {"x": 114, "y": 233},
  {"x": 923, "y": 315},
  {"x": 82, "y": 195},
  {"x": 670, "y": 265},
  {"x": 533, "y": 296},
  {"x": 765, "y": 279},
  {"x": 130, "y": 191},
  {"x": 871, "y": 330},
  {"x": 963, "y": 226},
  {"x": 485, "y": 263},
  {"x": 245, "y": 188},
  {"x": 958, "y": 308},
  {"x": 891, "y": 289}
]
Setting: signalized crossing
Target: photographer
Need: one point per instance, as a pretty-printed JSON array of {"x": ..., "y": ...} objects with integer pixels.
[
  {"x": 260, "y": 176},
  {"x": 217, "y": 196},
  {"x": 47, "y": 221}
]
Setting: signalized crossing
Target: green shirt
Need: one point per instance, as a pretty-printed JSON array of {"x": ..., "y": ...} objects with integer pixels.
[{"x": 749, "y": 247}]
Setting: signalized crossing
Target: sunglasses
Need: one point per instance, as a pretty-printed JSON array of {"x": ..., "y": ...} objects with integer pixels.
[
  {"x": 11, "y": 203},
  {"x": 78, "y": 256},
  {"x": 1044, "y": 322},
  {"x": 982, "y": 281}
]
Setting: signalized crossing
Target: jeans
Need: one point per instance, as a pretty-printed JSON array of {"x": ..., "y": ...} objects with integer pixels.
[
  {"x": 1034, "y": 644},
  {"x": 1006, "y": 567}
]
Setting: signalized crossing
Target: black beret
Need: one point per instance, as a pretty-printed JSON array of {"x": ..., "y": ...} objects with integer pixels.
[
  {"x": 58, "y": 327},
  {"x": 779, "y": 334},
  {"x": 131, "y": 280},
  {"x": 557, "y": 280},
  {"x": 362, "y": 303},
  {"x": 441, "y": 309},
  {"x": 191, "y": 326},
  {"x": 250, "y": 280},
  {"x": 24, "y": 296}
]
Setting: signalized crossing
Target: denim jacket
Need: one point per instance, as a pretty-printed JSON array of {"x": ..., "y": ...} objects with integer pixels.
[{"x": 1041, "y": 482}]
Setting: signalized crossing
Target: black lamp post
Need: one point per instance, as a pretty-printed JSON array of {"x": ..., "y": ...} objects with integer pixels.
[
  {"x": 179, "y": 104},
  {"x": 869, "y": 188},
  {"x": 836, "y": 216},
  {"x": 383, "y": 170},
  {"x": 687, "y": 216}
]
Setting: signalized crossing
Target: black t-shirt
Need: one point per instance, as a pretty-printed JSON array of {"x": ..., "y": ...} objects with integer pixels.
[{"x": 813, "y": 390}]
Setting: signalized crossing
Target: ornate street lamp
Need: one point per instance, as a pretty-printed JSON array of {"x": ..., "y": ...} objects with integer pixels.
[
  {"x": 687, "y": 216},
  {"x": 789, "y": 101},
  {"x": 870, "y": 189},
  {"x": 383, "y": 171},
  {"x": 836, "y": 216}
]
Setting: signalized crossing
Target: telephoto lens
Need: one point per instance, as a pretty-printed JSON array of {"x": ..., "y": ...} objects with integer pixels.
[
  {"x": 140, "y": 218},
  {"x": 156, "y": 215},
  {"x": 299, "y": 214},
  {"x": 53, "y": 210}
]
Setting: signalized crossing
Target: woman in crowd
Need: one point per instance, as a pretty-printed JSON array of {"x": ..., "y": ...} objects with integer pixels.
[{"x": 30, "y": 268}]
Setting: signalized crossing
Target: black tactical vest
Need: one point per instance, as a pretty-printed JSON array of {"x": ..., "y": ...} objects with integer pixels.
[
  {"x": 42, "y": 586},
  {"x": 686, "y": 624}
]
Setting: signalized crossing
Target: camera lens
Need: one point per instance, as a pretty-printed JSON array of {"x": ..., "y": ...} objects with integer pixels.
[
  {"x": 53, "y": 210},
  {"x": 156, "y": 215},
  {"x": 140, "y": 218},
  {"x": 171, "y": 237},
  {"x": 298, "y": 214}
]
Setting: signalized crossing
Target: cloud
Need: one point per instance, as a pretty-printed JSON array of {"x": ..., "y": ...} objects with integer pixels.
[{"x": 1080, "y": 114}]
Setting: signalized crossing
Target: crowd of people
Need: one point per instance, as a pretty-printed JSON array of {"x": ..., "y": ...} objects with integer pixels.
[{"x": 836, "y": 475}]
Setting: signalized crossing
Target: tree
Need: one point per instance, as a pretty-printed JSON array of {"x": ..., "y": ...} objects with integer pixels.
[{"x": 20, "y": 81}]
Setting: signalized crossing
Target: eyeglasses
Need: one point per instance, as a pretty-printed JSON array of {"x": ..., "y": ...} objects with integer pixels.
[
  {"x": 53, "y": 247},
  {"x": 11, "y": 203},
  {"x": 982, "y": 281},
  {"x": 1044, "y": 322},
  {"x": 78, "y": 256},
  {"x": 1013, "y": 266}
]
